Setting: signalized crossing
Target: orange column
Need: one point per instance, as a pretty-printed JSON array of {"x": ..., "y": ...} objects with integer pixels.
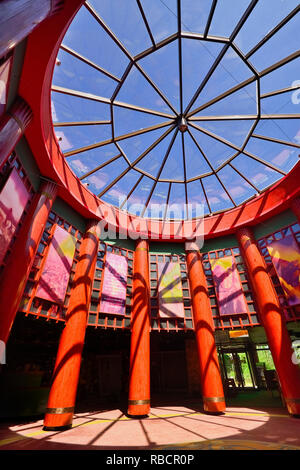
[
  {"x": 12, "y": 127},
  {"x": 295, "y": 206},
  {"x": 61, "y": 401},
  {"x": 273, "y": 321},
  {"x": 139, "y": 375},
  {"x": 19, "y": 17},
  {"x": 210, "y": 375},
  {"x": 15, "y": 274}
]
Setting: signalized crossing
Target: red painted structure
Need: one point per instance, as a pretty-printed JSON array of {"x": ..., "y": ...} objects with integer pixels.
[
  {"x": 210, "y": 375},
  {"x": 61, "y": 402},
  {"x": 15, "y": 274},
  {"x": 139, "y": 375},
  {"x": 35, "y": 83},
  {"x": 273, "y": 321},
  {"x": 42, "y": 48}
]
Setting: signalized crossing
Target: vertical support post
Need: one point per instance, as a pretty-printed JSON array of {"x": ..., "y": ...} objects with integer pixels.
[
  {"x": 139, "y": 375},
  {"x": 15, "y": 274},
  {"x": 210, "y": 375},
  {"x": 12, "y": 127},
  {"x": 273, "y": 321},
  {"x": 62, "y": 397}
]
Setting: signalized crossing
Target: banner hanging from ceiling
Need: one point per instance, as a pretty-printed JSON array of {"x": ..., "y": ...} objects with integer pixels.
[
  {"x": 170, "y": 296},
  {"x": 285, "y": 256},
  {"x": 113, "y": 294},
  {"x": 229, "y": 290},
  {"x": 55, "y": 275},
  {"x": 13, "y": 200}
]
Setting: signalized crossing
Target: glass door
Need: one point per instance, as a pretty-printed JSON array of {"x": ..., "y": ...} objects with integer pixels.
[{"x": 237, "y": 367}]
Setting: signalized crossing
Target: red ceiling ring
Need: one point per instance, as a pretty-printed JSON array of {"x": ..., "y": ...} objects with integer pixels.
[{"x": 35, "y": 84}]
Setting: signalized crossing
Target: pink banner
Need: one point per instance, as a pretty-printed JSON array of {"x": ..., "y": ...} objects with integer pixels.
[
  {"x": 228, "y": 286},
  {"x": 56, "y": 271},
  {"x": 170, "y": 295},
  {"x": 13, "y": 200},
  {"x": 114, "y": 283},
  {"x": 286, "y": 260},
  {"x": 4, "y": 76}
]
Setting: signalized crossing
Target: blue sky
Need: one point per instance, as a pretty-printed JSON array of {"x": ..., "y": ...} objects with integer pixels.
[{"x": 223, "y": 147}]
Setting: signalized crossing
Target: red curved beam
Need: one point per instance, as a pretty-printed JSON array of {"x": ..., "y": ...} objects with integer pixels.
[{"x": 35, "y": 84}]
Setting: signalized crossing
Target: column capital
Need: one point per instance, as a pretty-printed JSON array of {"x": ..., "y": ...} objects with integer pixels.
[
  {"x": 49, "y": 189},
  {"x": 21, "y": 113},
  {"x": 142, "y": 245},
  {"x": 56, "y": 6},
  {"x": 245, "y": 234},
  {"x": 93, "y": 227},
  {"x": 191, "y": 246}
]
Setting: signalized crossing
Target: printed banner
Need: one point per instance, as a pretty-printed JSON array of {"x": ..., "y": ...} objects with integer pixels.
[
  {"x": 228, "y": 286},
  {"x": 286, "y": 260},
  {"x": 113, "y": 295},
  {"x": 13, "y": 200},
  {"x": 170, "y": 297},
  {"x": 56, "y": 271},
  {"x": 4, "y": 75}
]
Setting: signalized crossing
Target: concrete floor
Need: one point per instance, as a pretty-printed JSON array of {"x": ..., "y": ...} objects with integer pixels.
[{"x": 183, "y": 427}]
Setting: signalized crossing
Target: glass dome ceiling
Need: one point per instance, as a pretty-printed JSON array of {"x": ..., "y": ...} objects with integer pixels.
[{"x": 163, "y": 102}]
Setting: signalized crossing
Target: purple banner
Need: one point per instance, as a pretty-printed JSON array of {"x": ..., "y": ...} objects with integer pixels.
[
  {"x": 286, "y": 260},
  {"x": 114, "y": 283},
  {"x": 56, "y": 271},
  {"x": 13, "y": 200},
  {"x": 170, "y": 295},
  {"x": 228, "y": 286}
]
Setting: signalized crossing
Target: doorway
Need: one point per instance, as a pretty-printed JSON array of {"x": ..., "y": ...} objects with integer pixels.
[{"x": 237, "y": 367}]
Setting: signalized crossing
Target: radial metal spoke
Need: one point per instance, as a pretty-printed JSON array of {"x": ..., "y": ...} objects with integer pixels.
[
  {"x": 205, "y": 195},
  {"x": 244, "y": 177},
  {"x": 279, "y": 92},
  {"x": 158, "y": 91},
  {"x": 222, "y": 96},
  {"x": 277, "y": 141},
  {"x": 280, "y": 63},
  {"x": 201, "y": 151},
  {"x": 280, "y": 116},
  {"x": 180, "y": 56},
  {"x": 119, "y": 138},
  {"x": 88, "y": 62},
  {"x": 222, "y": 54},
  {"x": 81, "y": 123},
  {"x": 146, "y": 22},
  {"x": 131, "y": 191},
  {"x": 245, "y": 117},
  {"x": 216, "y": 137},
  {"x": 264, "y": 162},
  {"x": 225, "y": 189},
  {"x": 272, "y": 32},
  {"x": 160, "y": 170},
  {"x": 99, "y": 167},
  {"x": 137, "y": 160},
  {"x": 98, "y": 18},
  {"x": 210, "y": 17},
  {"x": 102, "y": 99},
  {"x": 200, "y": 37},
  {"x": 184, "y": 172},
  {"x": 167, "y": 202}
]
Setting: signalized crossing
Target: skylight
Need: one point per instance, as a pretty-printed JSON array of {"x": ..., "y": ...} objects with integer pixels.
[{"x": 160, "y": 102}]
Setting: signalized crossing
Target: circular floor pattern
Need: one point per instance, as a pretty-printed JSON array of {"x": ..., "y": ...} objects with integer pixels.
[{"x": 220, "y": 444}]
